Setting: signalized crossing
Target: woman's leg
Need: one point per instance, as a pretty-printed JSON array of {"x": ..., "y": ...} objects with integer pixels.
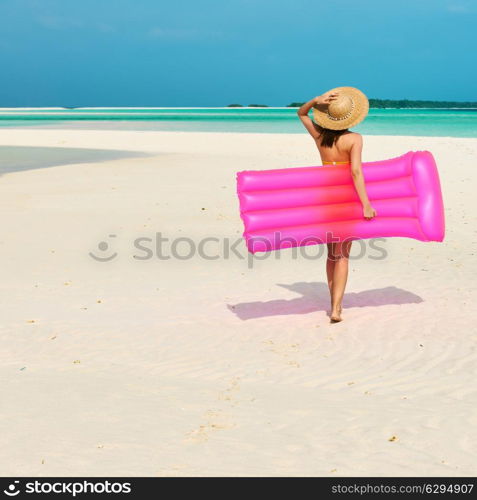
[
  {"x": 330, "y": 267},
  {"x": 341, "y": 252}
]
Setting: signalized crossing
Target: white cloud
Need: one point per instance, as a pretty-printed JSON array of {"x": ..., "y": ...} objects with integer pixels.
[
  {"x": 172, "y": 33},
  {"x": 66, "y": 23},
  {"x": 181, "y": 34},
  {"x": 105, "y": 28},
  {"x": 58, "y": 22},
  {"x": 459, "y": 8}
]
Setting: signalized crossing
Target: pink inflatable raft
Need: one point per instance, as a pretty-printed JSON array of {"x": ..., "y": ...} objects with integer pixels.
[{"x": 311, "y": 205}]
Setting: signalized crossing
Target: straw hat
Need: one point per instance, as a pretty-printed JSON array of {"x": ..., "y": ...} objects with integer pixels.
[{"x": 347, "y": 110}]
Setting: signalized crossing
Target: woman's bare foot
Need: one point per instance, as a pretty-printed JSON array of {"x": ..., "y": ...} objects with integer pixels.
[{"x": 335, "y": 316}]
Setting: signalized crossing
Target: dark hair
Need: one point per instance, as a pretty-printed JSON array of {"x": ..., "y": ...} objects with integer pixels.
[{"x": 328, "y": 137}]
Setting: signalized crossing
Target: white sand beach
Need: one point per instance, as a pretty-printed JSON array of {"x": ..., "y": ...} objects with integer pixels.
[{"x": 196, "y": 367}]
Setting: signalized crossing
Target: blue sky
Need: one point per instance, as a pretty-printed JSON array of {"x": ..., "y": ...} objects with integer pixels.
[{"x": 216, "y": 52}]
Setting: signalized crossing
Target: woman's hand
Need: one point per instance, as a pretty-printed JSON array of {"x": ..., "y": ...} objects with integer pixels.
[
  {"x": 325, "y": 99},
  {"x": 369, "y": 212},
  {"x": 320, "y": 102}
]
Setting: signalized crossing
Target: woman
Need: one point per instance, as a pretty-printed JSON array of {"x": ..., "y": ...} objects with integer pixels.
[{"x": 334, "y": 113}]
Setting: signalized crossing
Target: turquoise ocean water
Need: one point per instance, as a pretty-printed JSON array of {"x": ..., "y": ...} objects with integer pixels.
[{"x": 420, "y": 122}]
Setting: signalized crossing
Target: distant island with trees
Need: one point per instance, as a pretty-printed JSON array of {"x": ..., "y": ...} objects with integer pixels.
[
  {"x": 249, "y": 106},
  {"x": 386, "y": 103},
  {"x": 406, "y": 103}
]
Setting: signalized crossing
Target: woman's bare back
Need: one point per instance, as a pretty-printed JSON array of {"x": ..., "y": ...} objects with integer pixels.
[{"x": 341, "y": 149}]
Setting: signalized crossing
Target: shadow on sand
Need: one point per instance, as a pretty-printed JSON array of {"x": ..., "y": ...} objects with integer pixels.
[
  {"x": 315, "y": 297},
  {"x": 18, "y": 158}
]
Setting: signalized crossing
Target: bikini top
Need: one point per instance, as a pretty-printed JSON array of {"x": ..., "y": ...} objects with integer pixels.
[{"x": 336, "y": 163}]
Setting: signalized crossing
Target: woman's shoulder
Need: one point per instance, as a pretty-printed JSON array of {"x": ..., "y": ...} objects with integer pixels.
[{"x": 352, "y": 138}]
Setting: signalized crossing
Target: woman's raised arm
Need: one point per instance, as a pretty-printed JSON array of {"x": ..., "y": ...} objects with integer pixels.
[{"x": 319, "y": 101}]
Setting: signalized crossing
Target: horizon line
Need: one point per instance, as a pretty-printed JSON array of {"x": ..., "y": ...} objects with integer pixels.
[{"x": 72, "y": 108}]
